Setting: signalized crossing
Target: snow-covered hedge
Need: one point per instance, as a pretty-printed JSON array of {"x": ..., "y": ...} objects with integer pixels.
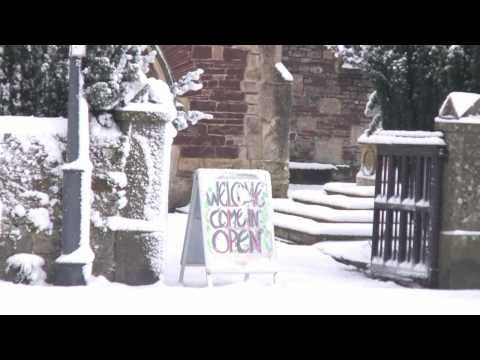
[
  {"x": 412, "y": 81},
  {"x": 32, "y": 153},
  {"x": 34, "y": 78}
]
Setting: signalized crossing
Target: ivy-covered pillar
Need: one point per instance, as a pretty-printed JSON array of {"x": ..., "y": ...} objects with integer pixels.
[{"x": 139, "y": 249}]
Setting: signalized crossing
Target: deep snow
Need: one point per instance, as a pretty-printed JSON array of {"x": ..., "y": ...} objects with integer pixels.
[{"x": 310, "y": 282}]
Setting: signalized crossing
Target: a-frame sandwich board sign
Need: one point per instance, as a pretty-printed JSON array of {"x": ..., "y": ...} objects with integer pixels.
[{"x": 230, "y": 226}]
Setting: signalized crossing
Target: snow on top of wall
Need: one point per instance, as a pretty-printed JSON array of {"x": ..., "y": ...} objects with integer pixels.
[
  {"x": 286, "y": 75},
  {"x": 403, "y": 137},
  {"x": 461, "y": 233},
  {"x": 30, "y": 125},
  {"x": 472, "y": 119}
]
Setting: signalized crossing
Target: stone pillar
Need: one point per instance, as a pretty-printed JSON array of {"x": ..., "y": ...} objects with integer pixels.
[
  {"x": 459, "y": 248},
  {"x": 139, "y": 255},
  {"x": 275, "y": 104}
]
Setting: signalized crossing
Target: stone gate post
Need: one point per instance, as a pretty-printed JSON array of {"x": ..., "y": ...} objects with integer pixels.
[{"x": 459, "y": 248}]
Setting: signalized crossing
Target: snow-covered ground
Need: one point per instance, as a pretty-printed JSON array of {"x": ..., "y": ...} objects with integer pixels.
[{"x": 309, "y": 282}]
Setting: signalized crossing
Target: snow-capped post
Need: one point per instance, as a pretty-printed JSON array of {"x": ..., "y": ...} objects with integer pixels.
[{"x": 76, "y": 252}]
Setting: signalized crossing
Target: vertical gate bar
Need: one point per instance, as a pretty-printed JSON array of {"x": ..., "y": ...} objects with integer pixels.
[
  {"x": 435, "y": 215},
  {"x": 426, "y": 246},
  {"x": 402, "y": 241},
  {"x": 376, "y": 211},
  {"x": 387, "y": 254},
  {"x": 418, "y": 219}
]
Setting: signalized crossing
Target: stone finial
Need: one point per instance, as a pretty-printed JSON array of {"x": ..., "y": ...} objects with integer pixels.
[{"x": 460, "y": 104}]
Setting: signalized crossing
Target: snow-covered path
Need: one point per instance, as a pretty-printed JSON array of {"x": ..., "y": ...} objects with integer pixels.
[{"x": 310, "y": 282}]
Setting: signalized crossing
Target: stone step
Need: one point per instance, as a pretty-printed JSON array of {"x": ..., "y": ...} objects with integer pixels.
[
  {"x": 322, "y": 213},
  {"x": 349, "y": 189},
  {"x": 316, "y": 173},
  {"x": 355, "y": 253},
  {"x": 333, "y": 201},
  {"x": 307, "y": 232}
]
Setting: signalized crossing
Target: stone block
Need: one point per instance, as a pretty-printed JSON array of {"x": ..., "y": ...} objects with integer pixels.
[
  {"x": 250, "y": 87},
  {"x": 235, "y": 55},
  {"x": 330, "y": 106},
  {"x": 217, "y": 52},
  {"x": 227, "y": 152},
  {"x": 197, "y": 151},
  {"x": 190, "y": 164},
  {"x": 329, "y": 151},
  {"x": 459, "y": 261},
  {"x": 306, "y": 124},
  {"x": 202, "y": 52}
]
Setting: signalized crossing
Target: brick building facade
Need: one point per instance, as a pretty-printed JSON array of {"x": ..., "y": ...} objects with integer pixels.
[
  {"x": 251, "y": 106},
  {"x": 262, "y": 120}
]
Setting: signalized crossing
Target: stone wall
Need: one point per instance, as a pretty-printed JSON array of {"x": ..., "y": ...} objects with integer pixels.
[
  {"x": 250, "y": 103},
  {"x": 328, "y": 106}
]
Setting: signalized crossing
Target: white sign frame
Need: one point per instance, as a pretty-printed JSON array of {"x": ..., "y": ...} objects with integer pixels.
[{"x": 196, "y": 252}]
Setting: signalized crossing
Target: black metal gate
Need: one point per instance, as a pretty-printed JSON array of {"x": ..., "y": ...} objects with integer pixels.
[{"x": 407, "y": 212}]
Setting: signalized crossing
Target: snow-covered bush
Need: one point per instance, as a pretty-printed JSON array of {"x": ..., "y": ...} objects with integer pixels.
[
  {"x": 34, "y": 78},
  {"x": 115, "y": 74},
  {"x": 34, "y": 81},
  {"x": 27, "y": 269},
  {"x": 411, "y": 81}
]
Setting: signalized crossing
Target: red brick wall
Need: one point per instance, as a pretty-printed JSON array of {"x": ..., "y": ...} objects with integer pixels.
[{"x": 221, "y": 137}]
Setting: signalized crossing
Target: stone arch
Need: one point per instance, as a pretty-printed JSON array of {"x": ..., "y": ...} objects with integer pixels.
[{"x": 160, "y": 68}]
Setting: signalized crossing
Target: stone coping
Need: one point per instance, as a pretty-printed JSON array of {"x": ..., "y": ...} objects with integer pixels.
[
  {"x": 402, "y": 137},
  {"x": 147, "y": 114},
  {"x": 474, "y": 120}
]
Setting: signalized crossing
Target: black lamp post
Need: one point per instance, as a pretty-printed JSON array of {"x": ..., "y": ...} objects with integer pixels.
[{"x": 76, "y": 251}]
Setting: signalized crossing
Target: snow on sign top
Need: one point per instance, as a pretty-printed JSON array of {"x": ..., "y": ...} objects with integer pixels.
[{"x": 233, "y": 211}]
